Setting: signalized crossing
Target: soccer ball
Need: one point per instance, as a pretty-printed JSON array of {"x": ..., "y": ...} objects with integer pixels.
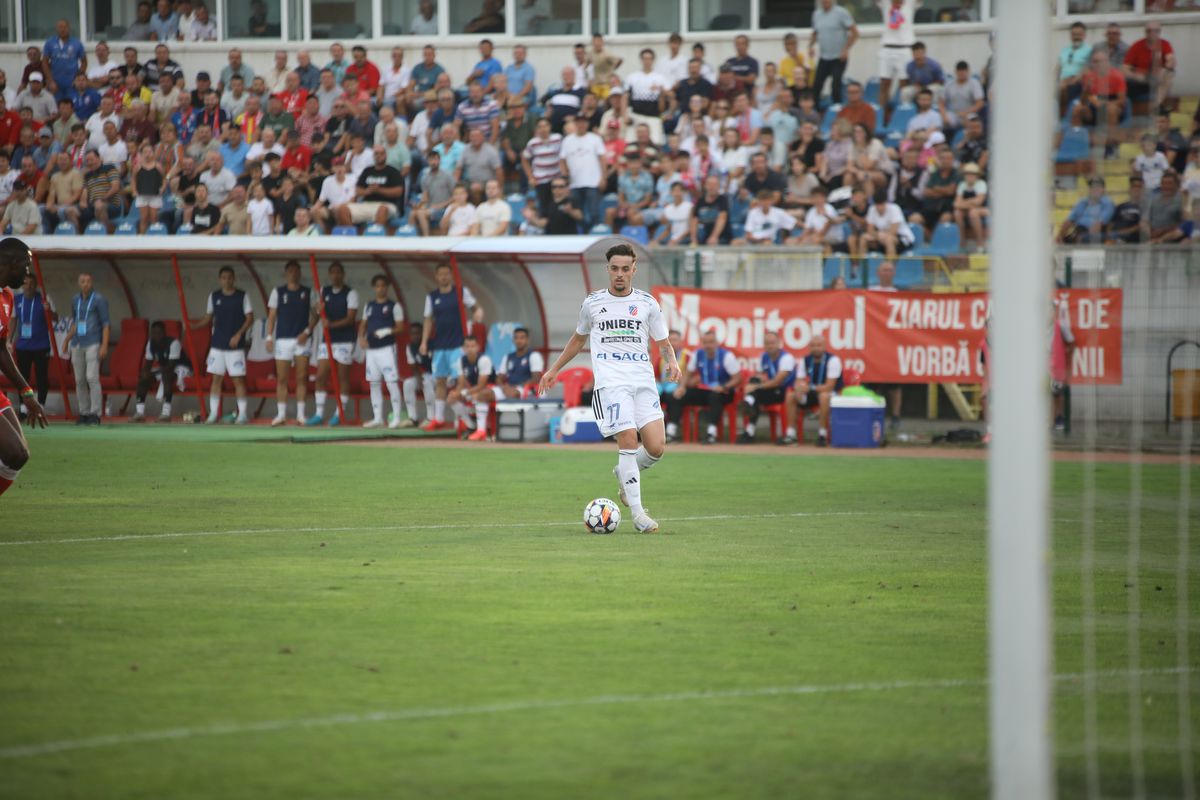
[{"x": 601, "y": 516}]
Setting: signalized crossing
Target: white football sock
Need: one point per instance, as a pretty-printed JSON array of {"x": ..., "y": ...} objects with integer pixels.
[
  {"x": 630, "y": 475},
  {"x": 645, "y": 461},
  {"x": 751, "y": 427},
  {"x": 377, "y": 400},
  {"x": 712, "y": 430},
  {"x": 242, "y": 405},
  {"x": 166, "y": 409},
  {"x": 672, "y": 429},
  {"x": 791, "y": 432},
  {"x": 461, "y": 413},
  {"x": 300, "y": 408},
  {"x": 346, "y": 404},
  {"x": 214, "y": 405},
  {"x": 410, "y": 397},
  {"x": 140, "y": 408},
  {"x": 429, "y": 391},
  {"x": 823, "y": 432},
  {"x": 439, "y": 410},
  {"x": 481, "y": 416},
  {"x": 393, "y": 388},
  {"x": 319, "y": 402}
]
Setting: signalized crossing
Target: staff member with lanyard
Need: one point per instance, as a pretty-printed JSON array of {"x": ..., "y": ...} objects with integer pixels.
[
  {"x": 88, "y": 340},
  {"x": 33, "y": 338}
]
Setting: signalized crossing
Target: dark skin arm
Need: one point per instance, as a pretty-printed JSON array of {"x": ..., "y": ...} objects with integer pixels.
[{"x": 36, "y": 415}]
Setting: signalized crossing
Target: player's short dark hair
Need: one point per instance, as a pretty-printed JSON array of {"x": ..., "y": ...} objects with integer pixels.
[
  {"x": 621, "y": 249},
  {"x": 444, "y": 266},
  {"x": 292, "y": 263},
  {"x": 474, "y": 339},
  {"x": 157, "y": 325},
  {"x": 918, "y": 46},
  {"x": 378, "y": 277},
  {"x": 225, "y": 269},
  {"x": 337, "y": 264},
  {"x": 521, "y": 329},
  {"x": 644, "y": 51}
]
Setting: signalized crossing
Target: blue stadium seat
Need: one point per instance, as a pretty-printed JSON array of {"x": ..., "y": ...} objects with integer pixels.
[
  {"x": 910, "y": 273},
  {"x": 871, "y": 91},
  {"x": 958, "y": 137},
  {"x": 375, "y": 229},
  {"x": 945, "y": 240},
  {"x": 184, "y": 230},
  {"x": 606, "y": 202},
  {"x": 737, "y": 229},
  {"x": 638, "y": 233},
  {"x": 899, "y": 123},
  {"x": 95, "y": 228},
  {"x": 873, "y": 262},
  {"x": 126, "y": 228},
  {"x": 827, "y": 120},
  {"x": 345, "y": 230},
  {"x": 65, "y": 229},
  {"x": 833, "y": 267},
  {"x": 406, "y": 230},
  {"x": 600, "y": 229},
  {"x": 1074, "y": 146},
  {"x": 918, "y": 232},
  {"x": 157, "y": 229}
]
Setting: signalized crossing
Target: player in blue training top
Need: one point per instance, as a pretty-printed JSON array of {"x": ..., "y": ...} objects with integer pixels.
[
  {"x": 442, "y": 338},
  {"x": 769, "y": 386},
  {"x": 621, "y": 323},
  {"x": 382, "y": 319},
  {"x": 290, "y": 320},
  {"x": 341, "y": 315}
]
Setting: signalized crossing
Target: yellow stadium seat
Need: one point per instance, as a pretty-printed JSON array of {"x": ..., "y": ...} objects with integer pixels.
[
  {"x": 1130, "y": 150},
  {"x": 1187, "y": 105},
  {"x": 1117, "y": 183},
  {"x": 1067, "y": 199},
  {"x": 1182, "y": 121}
]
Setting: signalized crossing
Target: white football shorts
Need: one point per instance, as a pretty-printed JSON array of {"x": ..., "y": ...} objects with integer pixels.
[
  {"x": 619, "y": 408},
  {"x": 893, "y": 63},
  {"x": 381, "y": 364},
  {"x": 343, "y": 352},
  {"x": 227, "y": 362},
  {"x": 290, "y": 349}
]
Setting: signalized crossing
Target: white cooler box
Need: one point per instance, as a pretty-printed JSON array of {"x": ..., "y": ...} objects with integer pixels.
[
  {"x": 579, "y": 425},
  {"x": 525, "y": 420}
]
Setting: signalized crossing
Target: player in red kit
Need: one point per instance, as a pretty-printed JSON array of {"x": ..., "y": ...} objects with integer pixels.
[{"x": 15, "y": 261}]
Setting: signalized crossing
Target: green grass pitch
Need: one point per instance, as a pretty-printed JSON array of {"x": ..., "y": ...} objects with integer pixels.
[{"x": 432, "y": 622}]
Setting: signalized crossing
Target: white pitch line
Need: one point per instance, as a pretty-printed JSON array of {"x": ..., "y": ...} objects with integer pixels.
[
  {"x": 410, "y": 714},
  {"x": 448, "y": 526}
]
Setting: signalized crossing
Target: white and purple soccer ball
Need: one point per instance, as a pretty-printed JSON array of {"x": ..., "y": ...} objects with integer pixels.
[{"x": 601, "y": 516}]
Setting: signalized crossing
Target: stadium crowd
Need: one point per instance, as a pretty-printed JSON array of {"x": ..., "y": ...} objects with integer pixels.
[{"x": 670, "y": 149}]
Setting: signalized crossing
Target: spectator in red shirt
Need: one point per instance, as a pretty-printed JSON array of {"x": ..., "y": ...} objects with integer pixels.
[
  {"x": 1150, "y": 66},
  {"x": 857, "y": 110},
  {"x": 365, "y": 71},
  {"x": 10, "y": 126},
  {"x": 1102, "y": 101},
  {"x": 293, "y": 94},
  {"x": 352, "y": 93},
  {"x": 296, "y": 154},
  {"x": 310, "y": 122}
]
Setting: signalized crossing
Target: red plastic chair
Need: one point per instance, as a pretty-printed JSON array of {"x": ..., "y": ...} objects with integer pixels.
[
  {"x": 461, "y": 430},
  {"x": 573, "y": 381}
]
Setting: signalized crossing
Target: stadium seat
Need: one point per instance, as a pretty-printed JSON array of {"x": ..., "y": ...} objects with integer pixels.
[
  {"x": 726, "y": 424},
  {"x": 65, "y": 229},
  {"x": 871, "y": 91},
  {"x": 126, "y": 228},
  {"x": 374, "y": 229},
  {"x": 600, "y": 229},
  {"x": 910, "y": 273},
  {"x": 899, "y": 124},
  {"x": 737, "y": 230},
  {"x": 945, "y": 241},
  {"x": 407, "y": 230},
  {"x": 573, "y": 380},
  {"x": 637, "y": 233},
  {"x": 606, "y": 202},
  {"x": 157, "y": 229},
  {"x": 345, "y": 230},
  {"x": 125, "y": 362},
  {"x": 1074, "y": 146},
  {"x": 95, "y": 228},
  {"x": 832, "y": 269},
  {"x": 827, "y": 120},
  {"x": 918, "y": 232}
]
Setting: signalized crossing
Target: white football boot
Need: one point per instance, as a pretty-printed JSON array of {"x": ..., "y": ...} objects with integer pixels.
[{"x": 643, "y": 524}]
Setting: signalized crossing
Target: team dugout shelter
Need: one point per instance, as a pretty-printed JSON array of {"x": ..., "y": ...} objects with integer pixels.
[{"x": 535, "y": 282}]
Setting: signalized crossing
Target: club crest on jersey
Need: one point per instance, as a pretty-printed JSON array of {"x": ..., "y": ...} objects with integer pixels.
[{"x": 633, "y": 311}]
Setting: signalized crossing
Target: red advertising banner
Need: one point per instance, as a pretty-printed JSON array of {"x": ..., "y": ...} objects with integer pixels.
[{"x": 893, "y": 337}]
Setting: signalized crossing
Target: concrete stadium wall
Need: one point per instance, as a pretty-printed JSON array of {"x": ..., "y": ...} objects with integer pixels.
[{"x": 548, "y": 54}]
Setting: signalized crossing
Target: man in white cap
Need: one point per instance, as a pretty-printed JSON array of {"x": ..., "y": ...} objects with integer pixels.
[{"x": 37, "y": 99}]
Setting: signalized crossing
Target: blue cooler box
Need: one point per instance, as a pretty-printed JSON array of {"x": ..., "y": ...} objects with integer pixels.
[
  {"x": 579, "y": 425},
  {"x": 856, "y": 421}
]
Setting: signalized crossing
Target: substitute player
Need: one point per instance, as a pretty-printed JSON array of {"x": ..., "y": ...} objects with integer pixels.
[
  {"x": 289, "y": 330},
  {"x": 442, "y": 338},
  {"x": 473, "y": 388},
  {"x": 15, "y": 261},
  {"x": 621, "y": 323},
  {"x": 382, "y": 319},
  {"x": 230, "y": 315},
  {"x": 166, "y": 363},
  {"x": 769, "y": 386},
  {"x": 421, "y": 367},
  {"x": 341, "y": 318}
]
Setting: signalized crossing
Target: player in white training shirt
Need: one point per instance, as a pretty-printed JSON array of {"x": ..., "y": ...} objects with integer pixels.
[{"x": 621, "y": 323}]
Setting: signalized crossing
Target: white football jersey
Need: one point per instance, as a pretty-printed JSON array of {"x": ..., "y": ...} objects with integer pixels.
[{"x": 621, "y": 330}]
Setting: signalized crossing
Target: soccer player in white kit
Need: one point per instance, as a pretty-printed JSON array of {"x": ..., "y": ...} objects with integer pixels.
[{"x": 622, "y": 323}]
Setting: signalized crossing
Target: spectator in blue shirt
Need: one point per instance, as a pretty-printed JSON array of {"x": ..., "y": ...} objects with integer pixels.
[
  {"x": 1072, "y": 61},
  {"x": 338, "y": 62},
  {"x": 84, "y": 99},
  {"x": 63, "y": 57},
  {"x": 32, "y": 340},
  {"x": 425, "y": 74},
  {"x": 88, "y": 340},
  {"x": 233, "y": 151},
  {"x": 635, "y": 193},
  {"x": 923, "y": 73},
  {"x": 521, "y": 77},
  {"x": 1088, "y": 219},
  {"x": 164, "y": 25},
  {"x": 488, "y": 66},
  {"x": 310, "y": 76}
]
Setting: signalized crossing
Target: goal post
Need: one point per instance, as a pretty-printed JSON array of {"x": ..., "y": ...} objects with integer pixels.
[{"x": 1019, "y": 612}]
